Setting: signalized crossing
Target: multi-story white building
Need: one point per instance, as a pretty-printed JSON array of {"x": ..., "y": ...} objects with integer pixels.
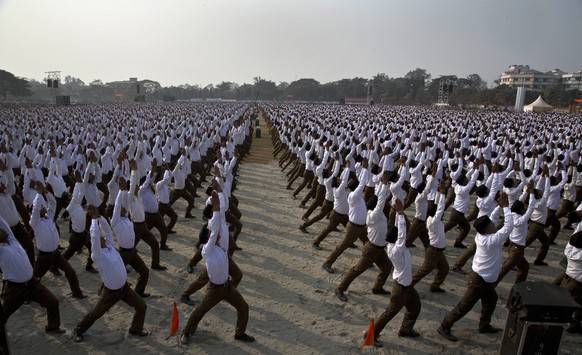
[
  {"x": 534, "y": 80},
  {"x": 572, "y": 81}
]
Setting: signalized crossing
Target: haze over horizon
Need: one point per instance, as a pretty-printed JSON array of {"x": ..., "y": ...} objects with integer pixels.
[{"x": 207, "y": 42}]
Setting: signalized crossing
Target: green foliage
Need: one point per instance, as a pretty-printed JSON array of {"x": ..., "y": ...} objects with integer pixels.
[{"x": 11, "y": 85}]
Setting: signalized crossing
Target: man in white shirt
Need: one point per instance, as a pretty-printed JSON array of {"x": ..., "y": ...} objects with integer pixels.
[
  {"x": 485, "y": 272},
  {"x": 572, "y": 281},
  {"x": 339, "y": 214},
  {"x": 114, "y": 277},
  {"x": 462, "y": 187},
  {"x": 356, "y": 228},
  {"x": 521, "y": 217},
  {"x": 47, "y": 240},
  {"x": 219, "y": 288},
  {"x": 435, "y": 257},
  {"x": 403, "y": 293},
  {"x": 20, "y": 283},
  {"x": 77, "y": 232},
  {"x": 373, "y": 251}
]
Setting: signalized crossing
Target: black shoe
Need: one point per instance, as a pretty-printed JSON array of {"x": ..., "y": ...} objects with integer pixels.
[
  {"x": 446, "y": 333},
  {"x": 139, "y": 333},
  {"x": 159, "y": 267},
  {"x": 57, "y": 330},
  {"x": 574, "y": 328},
  {"x": 304, "y": 219},
  {"x": 458, "y": 270},
  {"x": 327, "y": 268},
  {"x": 568, "y": 227},
  {"x": 185, "y": 338},
  {"x": 316, "y": 246},
  {"x": 408, "y": 333},
  {"x": 28, "y": 301},
  {"x": 236, "y": 247},
  {"x": 171, "y": 231},
  {"x": 540, "y": 263},
  {"x": 189, "y": 215},
  {"x": 245, "y": 337},
  {"x": 336, "y": 230},
  {"x": 143, "y": 294},
  {"x": 302, "y": 206},
  {"x": 91, "y": 269},
  {"x": 380, "y": 291},
  {"x": 437, "y": 289},
  {"x": 190, "y": 269},
  {"x": 488, "y": 329},
  {"x": 79, "y": 296},
  {"x": 187, "y": 300},
  {"x": 165, "y": 247},
  {"x": 412, "y": 245},
  {"x": 342, "y": 296},
  {"x": 377, "y": 344},
  {"x": 78, "y": 338},
  {"x": 303, "y": 229},
  {"x": 460, "y": 245},
  {"x": 353, "y": 246},
  {"x": 55, "y": 271}
]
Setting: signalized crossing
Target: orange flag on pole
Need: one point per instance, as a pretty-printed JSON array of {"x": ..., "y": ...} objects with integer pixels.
[
  {"x": 175, "y": 321},
  {"x": 369, "y": 341}
]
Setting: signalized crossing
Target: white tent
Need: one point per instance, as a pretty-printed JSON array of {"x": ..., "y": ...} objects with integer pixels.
[{"x": 539, "y": 105}]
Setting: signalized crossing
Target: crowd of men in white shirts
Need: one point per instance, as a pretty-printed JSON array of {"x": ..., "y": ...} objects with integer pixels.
[
  {"x": 108, "y": 170},
  {"x": 363, "y": 166}
]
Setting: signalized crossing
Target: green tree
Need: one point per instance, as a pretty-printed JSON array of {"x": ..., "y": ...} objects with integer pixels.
[
  {"x": 305, "y": 89},
  {"x": 11, "y": 85}
]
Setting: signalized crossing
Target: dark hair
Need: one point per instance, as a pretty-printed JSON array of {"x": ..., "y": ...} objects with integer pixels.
[
  {"x": 334, "y": 182},
  {"x": 481, "y": 224},
  {"x": 576, "y": 240},
  {"x": 207, "y": 211},
  {"x": 574, "y": 217},
  {"x": 204, "y": 234},
  {"x": 482, "y": 191},
  {"x": 209, "y": 191},
  {"x": 508, "y": 182},
  {"x": 372, "y": 202},
  {"x": 392, "y": 234},
  {"x": 517, "y": 207},
  {"x": 353, "y": 184},
  {"x": 431, "y": 210},
  {"x": 420, "y": 188}
]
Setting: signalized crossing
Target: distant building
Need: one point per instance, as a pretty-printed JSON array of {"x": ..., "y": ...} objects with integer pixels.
[
  {"x": 125, "y": 89},
  {"x": 535, "y": 80}
]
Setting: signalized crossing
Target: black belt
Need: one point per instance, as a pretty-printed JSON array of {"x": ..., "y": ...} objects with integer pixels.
[
  {"x": 435, "y": 248},
  {"x": 376, "y": 246},
  {"x": 357, "y": 225},
  {"x": 522, "y": 247},
  {"x": 139, "y": 222},
  {"x": 539, "y": 223},
  {"x": 216, "y": 285},
  {"x": 30, "y": 282},
  {"x": 40, "y": 252},
  {"x": 420, "y": 220},
  {"x": 127, "y": 249},
  {"x": 401, "y": 285},
  {"x": 152, "y": 213}
]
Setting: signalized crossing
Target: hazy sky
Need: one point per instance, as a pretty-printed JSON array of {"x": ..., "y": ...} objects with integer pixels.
[{"x": 206, "y": 42}]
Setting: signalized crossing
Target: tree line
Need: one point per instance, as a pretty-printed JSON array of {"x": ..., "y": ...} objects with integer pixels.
[{"x": 417, "y": 87}]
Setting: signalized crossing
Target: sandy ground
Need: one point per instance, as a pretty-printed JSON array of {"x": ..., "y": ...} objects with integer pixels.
[{"x": 292, "y": 304}]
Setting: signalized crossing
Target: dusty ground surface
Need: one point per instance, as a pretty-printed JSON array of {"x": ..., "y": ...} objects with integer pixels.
[{"x": 292, "y": 304}]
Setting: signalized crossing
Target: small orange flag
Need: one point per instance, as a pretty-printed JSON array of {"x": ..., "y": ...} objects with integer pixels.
[
  {"x": 175, "y": 321},
  {"x": 369, "y": 341}
]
